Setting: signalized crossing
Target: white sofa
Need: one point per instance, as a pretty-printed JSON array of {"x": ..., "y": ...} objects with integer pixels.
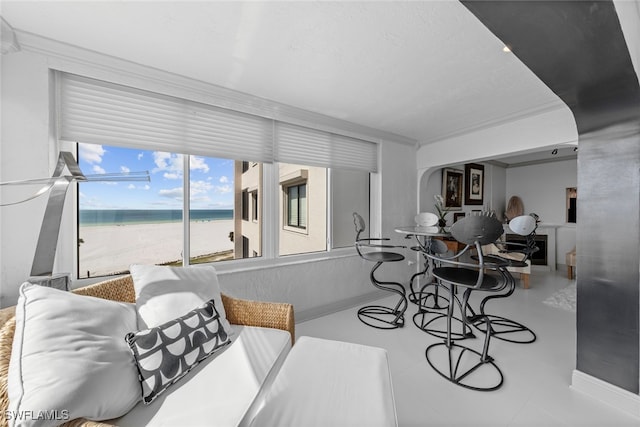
[
  {"x": 234, "y": 387},
  {"x": 219, "y": 391}
]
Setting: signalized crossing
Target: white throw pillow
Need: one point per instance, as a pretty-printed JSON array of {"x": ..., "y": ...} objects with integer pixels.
[
  {"x": 69, "y": 358},
  {"x": 166, "y": 293}
]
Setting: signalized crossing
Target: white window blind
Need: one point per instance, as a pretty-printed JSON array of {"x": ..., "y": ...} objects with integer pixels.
[
  {"x": 302, "y": 145},
  {"x": 98, "y": 112}
]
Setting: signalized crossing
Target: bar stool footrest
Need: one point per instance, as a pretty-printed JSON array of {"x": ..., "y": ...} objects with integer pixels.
[
  {"x": 381, "y": 317},
  {"x": 464, "y": 366},
  {"x": 419, "y": 319},
  {"x": 507, "y": 330}
]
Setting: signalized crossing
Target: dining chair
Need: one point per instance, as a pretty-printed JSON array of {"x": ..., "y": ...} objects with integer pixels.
[
  {"x": 378, "y": 316},
  {"x": 423, "y": 219},
  {"x": 458, "y": 363},
  {"x": 511, "y": 254},
  {"x": 433, "y": 303}
]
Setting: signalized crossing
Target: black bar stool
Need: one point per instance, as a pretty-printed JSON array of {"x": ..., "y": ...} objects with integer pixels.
[
  {"x": 432, "y": 304},
  {"x": 457, "y": 363},
  {"x": 512, "y": 254},
  {"x": 378, "y": 316}
]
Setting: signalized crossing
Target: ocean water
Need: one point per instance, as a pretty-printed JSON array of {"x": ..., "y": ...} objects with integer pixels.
[{"x": 89, "y": 217}]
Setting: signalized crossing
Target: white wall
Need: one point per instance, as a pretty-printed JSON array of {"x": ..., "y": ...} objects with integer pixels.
[
  {"x": 542, "y": 188},
  {"x": 544, "y": 130},
  {"x": 28, "y": 150},
  {"x": 494, "y": 190},
  {"x": 25, "y": 154}
]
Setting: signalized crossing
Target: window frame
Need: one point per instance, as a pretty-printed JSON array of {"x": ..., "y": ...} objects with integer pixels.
[
  {"x": 271, "y": 210},
  {"x": 287, "y": 212},
  {"x": 255, "y": 206}
]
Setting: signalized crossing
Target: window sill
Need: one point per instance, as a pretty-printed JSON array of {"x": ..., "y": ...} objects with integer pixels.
[
  {"x": 236, "y": 266},
  {"x": 298, "y": 230},
  {"x": 250, "y": 264}
]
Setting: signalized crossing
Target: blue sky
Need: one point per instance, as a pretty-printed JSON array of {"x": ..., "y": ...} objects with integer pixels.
[{"x": 211, "y": 180}]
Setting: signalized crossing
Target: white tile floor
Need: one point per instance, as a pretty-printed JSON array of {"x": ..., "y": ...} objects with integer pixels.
[{"x": 536, "y": 391}]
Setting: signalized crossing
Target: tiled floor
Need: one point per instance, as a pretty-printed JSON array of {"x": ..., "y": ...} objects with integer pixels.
[{"x": 536, "y": 391}]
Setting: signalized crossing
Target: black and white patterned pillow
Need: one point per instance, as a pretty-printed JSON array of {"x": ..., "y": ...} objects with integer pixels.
[{"x": 167, "y": 352}]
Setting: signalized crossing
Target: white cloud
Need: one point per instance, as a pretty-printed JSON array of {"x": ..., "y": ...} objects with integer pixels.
[
  {"x": 224, "y": 179},
  {"x": 139, "y": 187},
  {"x": 98, "y": 169},
  {"x": 91, "y": 153},
  {"x": 124, "y": 169},
  {"x": 172, "y": 193},
  {"x": 198, "y": 163},
  {"x": 140, "y": 156},
  {"x": 170, "y": 164},
  {"x": 223, "y": 189},
  {"x": 200, "y": 187}
]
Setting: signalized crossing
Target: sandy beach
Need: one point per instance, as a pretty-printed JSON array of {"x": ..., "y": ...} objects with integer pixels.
[{"x": 111, "y": 248}]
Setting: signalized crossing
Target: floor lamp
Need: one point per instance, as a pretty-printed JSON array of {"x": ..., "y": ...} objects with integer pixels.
[{"x": 57, "y": 186}]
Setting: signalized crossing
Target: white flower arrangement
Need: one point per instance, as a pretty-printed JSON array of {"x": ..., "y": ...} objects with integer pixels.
[{"x": 440, "y": 208}]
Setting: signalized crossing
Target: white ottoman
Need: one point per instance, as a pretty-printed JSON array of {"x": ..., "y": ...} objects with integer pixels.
[{"x": 330, "y": 383}]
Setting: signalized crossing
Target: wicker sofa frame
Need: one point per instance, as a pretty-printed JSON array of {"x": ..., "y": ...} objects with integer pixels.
[{"x": 238, "y": 311}]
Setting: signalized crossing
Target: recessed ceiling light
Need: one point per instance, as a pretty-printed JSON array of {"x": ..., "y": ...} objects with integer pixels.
[{"x": 506, "y": 48}]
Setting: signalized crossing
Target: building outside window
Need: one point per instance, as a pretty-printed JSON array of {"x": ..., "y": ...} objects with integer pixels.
[
  {"x": 297, "y": 205},
  {"x": 303, "y": 208},
  {"x": 248, "y": 183},
  {"x": 254, "y": 206},
  {"x": 245, "y": 205}
]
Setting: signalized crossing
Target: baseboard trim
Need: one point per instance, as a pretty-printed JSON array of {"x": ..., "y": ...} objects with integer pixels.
[
  {"x": 344, "y": 304},
  {"x": 614, "y": 396}
]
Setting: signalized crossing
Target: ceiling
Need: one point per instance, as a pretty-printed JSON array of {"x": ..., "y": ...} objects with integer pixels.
[{"x": 424, "y": 70}]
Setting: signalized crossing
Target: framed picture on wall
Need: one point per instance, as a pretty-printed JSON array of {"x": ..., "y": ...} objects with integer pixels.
[
  {"x": 457, "y": 216},
  {"x": 474, "y": 185},
  {"x": 452, "y": 182}
]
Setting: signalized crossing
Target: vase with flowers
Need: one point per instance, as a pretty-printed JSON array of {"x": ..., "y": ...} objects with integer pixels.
[{"x": 442, "y": 211}]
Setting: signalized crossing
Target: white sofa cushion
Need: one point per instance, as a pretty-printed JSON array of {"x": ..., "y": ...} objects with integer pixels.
[
  {"x": 222, "y": 390},
  {"x": 166, "y": 293},
  {"x": 69, "y": 357},
  {"x": 330, "y": 383}
]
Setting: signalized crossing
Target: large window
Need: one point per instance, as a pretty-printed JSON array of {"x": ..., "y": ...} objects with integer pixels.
[
  {"x": 303, "y": 213},
  {"x": 121, "y": 223},
  {"x": 298, "y": 185}
]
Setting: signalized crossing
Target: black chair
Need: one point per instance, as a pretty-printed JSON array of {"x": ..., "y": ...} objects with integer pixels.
[
  {"x": 432, "y": 304},
  {"x": 378, "y": 316},
  {"x": 512, "y": 254},
  {"x": 422, "y": 296},
  {"x": 453, "y": 361}
]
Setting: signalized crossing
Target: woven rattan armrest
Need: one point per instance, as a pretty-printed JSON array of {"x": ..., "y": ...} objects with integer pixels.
[{"x": 238, "y": 311}]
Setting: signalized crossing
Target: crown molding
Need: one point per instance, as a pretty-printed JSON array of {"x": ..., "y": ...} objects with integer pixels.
[
  {"x": 73, "y": 59},
  {"x": 519, "y": 115},
  {"x": 9, "y": 42}
]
